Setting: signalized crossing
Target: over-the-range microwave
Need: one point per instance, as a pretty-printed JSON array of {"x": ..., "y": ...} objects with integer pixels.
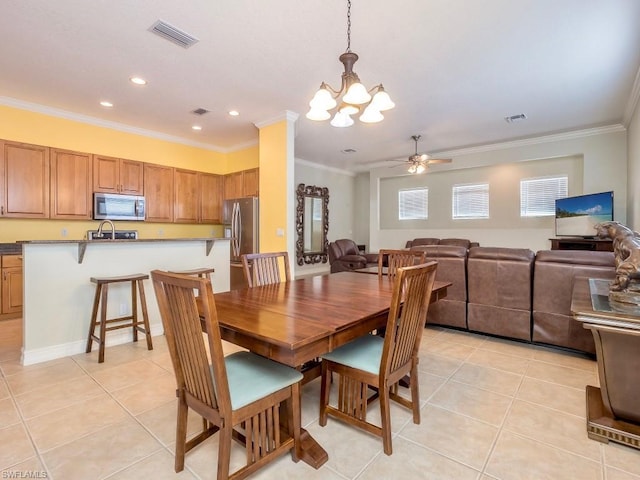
[{"x": 115, "y": 206}]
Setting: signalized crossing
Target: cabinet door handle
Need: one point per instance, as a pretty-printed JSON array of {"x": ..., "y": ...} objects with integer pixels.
[{"x": 2, "y": 210}]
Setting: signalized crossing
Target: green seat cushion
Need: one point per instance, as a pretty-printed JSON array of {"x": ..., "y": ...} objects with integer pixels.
[
  {"x": 363, "y": 353},
  {"x": 252, "y": 377}
]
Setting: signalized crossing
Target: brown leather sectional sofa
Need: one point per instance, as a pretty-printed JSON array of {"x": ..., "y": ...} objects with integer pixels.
[{"x": 514, "y": 293}]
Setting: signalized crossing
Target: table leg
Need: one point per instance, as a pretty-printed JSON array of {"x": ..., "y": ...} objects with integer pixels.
[{"x": 312, "y": 453}]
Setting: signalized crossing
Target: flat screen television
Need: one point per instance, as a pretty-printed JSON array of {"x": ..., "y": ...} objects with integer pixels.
[{"x": 576, "y": 216}]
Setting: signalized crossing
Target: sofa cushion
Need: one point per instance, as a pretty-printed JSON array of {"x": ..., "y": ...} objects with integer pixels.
[
  {"x": 554, "y": 274},
  {"x": 499, "y": 291}
]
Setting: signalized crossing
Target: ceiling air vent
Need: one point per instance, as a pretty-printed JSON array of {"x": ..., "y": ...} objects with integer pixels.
[
  {"x": 200, "y": 111},
  {"x": 172, "y": 34},
  {"x": 515, "y": 118}
]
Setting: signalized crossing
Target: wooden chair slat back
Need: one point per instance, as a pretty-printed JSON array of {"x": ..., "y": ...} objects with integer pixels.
[
  {"x": 182, "y": 321},
  {"x": 407, "y": 318},
  {"x": 265, "y": 268},
  {"x": 397, "y": 259}
]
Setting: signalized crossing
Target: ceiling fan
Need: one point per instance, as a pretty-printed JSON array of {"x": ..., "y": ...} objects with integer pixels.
[{"x": 418, "y": 162}]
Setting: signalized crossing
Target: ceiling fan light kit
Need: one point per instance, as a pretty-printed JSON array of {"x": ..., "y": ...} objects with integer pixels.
[
  {"x": 418, "y": 163},
  {"x": 356, "y": 97}
]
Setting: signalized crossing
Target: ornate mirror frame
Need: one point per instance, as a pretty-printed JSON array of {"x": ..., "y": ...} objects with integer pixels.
[{"x": 304, "y": 192}]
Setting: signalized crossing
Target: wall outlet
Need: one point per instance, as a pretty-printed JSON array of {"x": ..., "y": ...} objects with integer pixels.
[
  {"x": 64, "y": 232},
  {"x": 279, "y": 232},
  {"x": 160, "y": 232}
]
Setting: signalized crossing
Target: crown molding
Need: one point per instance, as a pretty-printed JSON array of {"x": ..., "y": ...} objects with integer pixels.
[
  {"x": 307, "y": 163},
  {"x": 86, "y": 119},
  {"x": 555, "y": 137},
  {"x": 286, "y": 115}
]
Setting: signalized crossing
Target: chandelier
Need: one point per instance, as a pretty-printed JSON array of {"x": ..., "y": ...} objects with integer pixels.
[{"x": 356, "y": 97}]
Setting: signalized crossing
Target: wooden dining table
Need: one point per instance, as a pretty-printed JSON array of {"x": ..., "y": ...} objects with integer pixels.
[{"x": 296, "y": 322}]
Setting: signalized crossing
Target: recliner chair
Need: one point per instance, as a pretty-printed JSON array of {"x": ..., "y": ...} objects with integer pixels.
[{"x": 344, "y": 256}]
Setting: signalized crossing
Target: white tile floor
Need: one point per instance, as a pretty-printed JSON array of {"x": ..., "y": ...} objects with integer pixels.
[{"x": 491, "y": 409}]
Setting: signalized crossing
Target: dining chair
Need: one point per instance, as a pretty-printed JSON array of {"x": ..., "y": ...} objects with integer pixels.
[
  {"x": 398, "y": 258},
  {"x": 264, "y": 268},
  {"x": 241, "y": 390},
  {"x": 380, "y": 363}
]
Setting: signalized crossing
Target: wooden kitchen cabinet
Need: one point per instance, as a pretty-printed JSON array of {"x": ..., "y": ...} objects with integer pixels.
[
  {"x": 233, "y": 185},
  {"x": 71, "y": 185},
  {"x": 244, "y": 183},
  {"x": 186, "y": 189},
  {"x": 24, "y": 180},
  {"x": 211, "y": 187},
  {"x": 11, "y": 286},
  {"x": 251, "y": 182},
  {"x": 158, "y": 186},
  {"x": 118, "y": 175}
]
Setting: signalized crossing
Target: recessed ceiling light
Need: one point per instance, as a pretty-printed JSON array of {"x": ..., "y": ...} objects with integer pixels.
[
  {"x": 138, "y": 80},
  {"x": 196, "y": 127},
  {"x": 106, "y": 103},
  {"x": 234, "y": 113}
]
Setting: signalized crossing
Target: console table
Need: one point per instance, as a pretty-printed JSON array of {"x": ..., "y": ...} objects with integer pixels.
[
  {"x": 595, "y": 244},
  {"x": 613, "y": 410}
]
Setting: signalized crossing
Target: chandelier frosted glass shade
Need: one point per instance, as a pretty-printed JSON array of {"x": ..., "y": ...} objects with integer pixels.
[
  {"x": 356, "y": 95},
  {"x": 341, "y": 120}
]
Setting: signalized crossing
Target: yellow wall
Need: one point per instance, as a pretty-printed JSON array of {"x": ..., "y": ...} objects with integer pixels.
[
  {"x": 40, "y": 129},
  {"x": 273, "y": 187},
  {"x": 243, "y": 159}
]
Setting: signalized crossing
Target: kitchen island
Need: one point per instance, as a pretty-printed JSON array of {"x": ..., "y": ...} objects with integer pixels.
[{"x": 58, "y": 293}]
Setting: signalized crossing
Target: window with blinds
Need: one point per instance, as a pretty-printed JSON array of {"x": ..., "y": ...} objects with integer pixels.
[
  {"x": 538, "y": 195},
  {"x": 470, "y": 201},
  {"x": 413, "y": 204}
]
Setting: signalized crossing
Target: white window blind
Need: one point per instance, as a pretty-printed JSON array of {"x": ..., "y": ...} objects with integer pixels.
[
  {"x": 470, "y": 201},
  {"x": 538, "y": 195},
  {"x": 413, "y": 204}
]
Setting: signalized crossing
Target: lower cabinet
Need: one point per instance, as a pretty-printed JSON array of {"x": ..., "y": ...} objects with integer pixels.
[{"x": 11, "y": 281}]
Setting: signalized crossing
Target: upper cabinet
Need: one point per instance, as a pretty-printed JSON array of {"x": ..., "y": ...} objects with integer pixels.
[
  {"x": 251, "y": 182},
  {"x": 242, "y": 184},
  {"x": 158, "y": 183},
  {"x": 211, "y": 187},
  {"x": 71, "y": 185},
  {"x": 186, "y": 188},
  {"x": 118, "y": 175},
  {"x": 24, "y": 180}
]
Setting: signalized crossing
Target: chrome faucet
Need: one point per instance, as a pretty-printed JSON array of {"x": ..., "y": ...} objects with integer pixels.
[{"x": 113, "y": 229}]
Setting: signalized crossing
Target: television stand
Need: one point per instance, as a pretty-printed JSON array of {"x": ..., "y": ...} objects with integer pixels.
[{"x": 577, "y": 243}]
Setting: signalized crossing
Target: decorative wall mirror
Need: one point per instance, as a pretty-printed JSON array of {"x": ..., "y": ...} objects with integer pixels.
[{"x": 312, "y": 224}]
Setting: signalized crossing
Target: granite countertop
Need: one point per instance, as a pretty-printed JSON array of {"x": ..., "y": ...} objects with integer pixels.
[
  {"x": 10, "y": 248},
  {"x": 137, "y": 240}
]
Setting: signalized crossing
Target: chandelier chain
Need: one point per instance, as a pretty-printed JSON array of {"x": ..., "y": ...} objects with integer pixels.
[{"x": 348, "y": 25}]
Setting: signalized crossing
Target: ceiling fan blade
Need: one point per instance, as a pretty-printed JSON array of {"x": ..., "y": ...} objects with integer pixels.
[{"x": 439, "y": 160}]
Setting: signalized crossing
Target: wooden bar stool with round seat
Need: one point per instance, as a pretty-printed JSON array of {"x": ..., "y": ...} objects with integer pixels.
[{"x": 100, "y": 300}]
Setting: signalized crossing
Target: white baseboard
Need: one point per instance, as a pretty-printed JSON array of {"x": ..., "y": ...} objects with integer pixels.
[{"x": 39, "y": 355}]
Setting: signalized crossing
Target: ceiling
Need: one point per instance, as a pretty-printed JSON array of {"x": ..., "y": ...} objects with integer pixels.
[{"x": 454, "y": 68}]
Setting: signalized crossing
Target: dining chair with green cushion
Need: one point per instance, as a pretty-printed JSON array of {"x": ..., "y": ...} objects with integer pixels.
[
  {"x": 240, "y": 395},
  {"x": 265, "y": 268},
  {"x": 380, "y": 363},
  {"x": 395, "y": 259}
]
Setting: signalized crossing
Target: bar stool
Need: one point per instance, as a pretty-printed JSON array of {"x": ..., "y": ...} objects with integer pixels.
[
  {"x": 204, "y": 272},
  {"x": 100, "y": 299}
]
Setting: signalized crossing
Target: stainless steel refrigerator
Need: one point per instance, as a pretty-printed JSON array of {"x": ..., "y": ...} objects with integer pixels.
[{"x": 240, "y": 218}]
